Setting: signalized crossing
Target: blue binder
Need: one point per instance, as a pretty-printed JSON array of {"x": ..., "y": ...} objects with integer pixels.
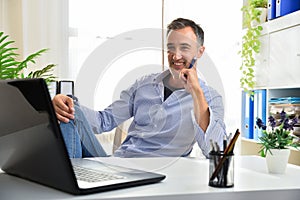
[
  {"x": 284, "y": 7},
  {"x": 271, "y": 9},
  {"x": 247, "y": 116},
  {"x": 259, "y": 111}
]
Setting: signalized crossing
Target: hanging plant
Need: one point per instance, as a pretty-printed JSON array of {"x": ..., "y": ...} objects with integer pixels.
[{"x": 250, "y": 43}]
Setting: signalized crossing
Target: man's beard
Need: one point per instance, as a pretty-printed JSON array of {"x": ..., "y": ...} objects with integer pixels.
[{"x": 175, "y": 73}]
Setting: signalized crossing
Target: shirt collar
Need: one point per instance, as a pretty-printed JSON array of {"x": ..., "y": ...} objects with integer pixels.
[{"x": 159, "y": 77}]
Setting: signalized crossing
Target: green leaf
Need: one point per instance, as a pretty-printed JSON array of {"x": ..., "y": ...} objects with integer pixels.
[
  {"x": 250, "y": 46},
  {"x": 10, "y": 68},
  {"x": 45, "y": 73}
]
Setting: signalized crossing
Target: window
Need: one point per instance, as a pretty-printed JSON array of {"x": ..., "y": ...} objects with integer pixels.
[{"x": 109, "y": 40}]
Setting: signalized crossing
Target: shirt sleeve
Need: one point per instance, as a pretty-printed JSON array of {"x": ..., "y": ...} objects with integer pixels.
[
  {"x": 116, "y": 113},
  {"x": 216, "y": 128}
]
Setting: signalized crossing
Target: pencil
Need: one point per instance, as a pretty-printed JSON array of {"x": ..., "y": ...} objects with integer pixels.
[{"x": 227, "y": 151}]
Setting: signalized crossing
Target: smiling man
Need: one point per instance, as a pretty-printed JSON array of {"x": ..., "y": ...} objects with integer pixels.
[{"x": 171, "y": 110}]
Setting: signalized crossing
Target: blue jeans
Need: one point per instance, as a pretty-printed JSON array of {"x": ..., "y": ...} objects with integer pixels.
[{"x": 79, "y": 138}]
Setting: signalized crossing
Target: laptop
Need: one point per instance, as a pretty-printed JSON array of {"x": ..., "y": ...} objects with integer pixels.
[{"x": 32, "y": 146}]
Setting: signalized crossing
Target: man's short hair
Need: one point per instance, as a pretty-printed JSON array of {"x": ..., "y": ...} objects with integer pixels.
[{"x": 181, "y": 23}]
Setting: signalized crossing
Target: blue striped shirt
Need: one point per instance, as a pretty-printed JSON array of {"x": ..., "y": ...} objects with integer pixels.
[{"x": 161, "y": 128}]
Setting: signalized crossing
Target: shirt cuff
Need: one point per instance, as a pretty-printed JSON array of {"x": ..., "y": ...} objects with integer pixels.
[
  {"x": 202, "y": 137},
  {"x": 210, "y": 125}
]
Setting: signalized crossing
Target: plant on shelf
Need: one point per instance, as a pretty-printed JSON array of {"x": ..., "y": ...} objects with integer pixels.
[
  {"x": 250, "y": 43},
  {"x": 279, "y": 133},
  {"x": 11, "y": 68},
  {"x": 259, "y": 3}
]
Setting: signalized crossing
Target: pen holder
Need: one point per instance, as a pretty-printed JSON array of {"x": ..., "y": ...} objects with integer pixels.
[{"x": 221, "y": 169}]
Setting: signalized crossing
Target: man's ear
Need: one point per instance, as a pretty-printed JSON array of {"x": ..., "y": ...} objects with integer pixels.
[{"x": 200, "y": 51}]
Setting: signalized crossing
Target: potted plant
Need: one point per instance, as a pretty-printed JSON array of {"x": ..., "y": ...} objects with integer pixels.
[
  {"x": 276, "y": 140},
  {"x": 250, "y": 42},
  {"x": 11, "y": 68},
  {"x": 260, "y": 9}
]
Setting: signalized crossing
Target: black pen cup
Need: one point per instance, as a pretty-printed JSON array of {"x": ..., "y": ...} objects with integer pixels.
[{"x": 221, "y": 169}]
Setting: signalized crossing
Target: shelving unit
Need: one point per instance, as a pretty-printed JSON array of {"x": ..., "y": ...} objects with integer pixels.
[
  {"x": 278, "y": 69},
  {"x": 278, "y": 64}
]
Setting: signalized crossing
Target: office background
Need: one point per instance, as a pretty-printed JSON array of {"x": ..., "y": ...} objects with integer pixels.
[{"x": 73, "y": 29}]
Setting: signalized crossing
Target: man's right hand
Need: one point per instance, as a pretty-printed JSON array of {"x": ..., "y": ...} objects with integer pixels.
[{"x": 64, "y": 107}]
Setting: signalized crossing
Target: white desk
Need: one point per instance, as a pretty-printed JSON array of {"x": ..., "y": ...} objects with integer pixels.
[{"x": 187, "y": 178}]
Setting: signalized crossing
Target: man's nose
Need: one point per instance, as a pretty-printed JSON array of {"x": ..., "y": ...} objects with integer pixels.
[{"x": 177, "y": 54}]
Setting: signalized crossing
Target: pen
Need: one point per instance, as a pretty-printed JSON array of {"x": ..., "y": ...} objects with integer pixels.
[
  {"x": 192, "y": 62},
  {"x": 224, "y": 142},
  {"x": 212, "y": 145}
]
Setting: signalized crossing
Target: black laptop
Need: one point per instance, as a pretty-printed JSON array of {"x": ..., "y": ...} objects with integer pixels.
[{"x": 32, "y": 147}]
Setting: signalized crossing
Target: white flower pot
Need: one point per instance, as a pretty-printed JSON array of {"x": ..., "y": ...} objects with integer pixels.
[
  {"x": 277, "y": 161},
  {"x": 263, "y": 17}
]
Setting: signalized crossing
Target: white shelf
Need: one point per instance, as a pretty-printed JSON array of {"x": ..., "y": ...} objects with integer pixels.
[
  {"x": 280, "y": 23},
  {"x": 277, "y": 65}
]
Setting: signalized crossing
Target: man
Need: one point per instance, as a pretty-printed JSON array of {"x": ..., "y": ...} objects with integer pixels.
[{"x": 171, "y": 110}]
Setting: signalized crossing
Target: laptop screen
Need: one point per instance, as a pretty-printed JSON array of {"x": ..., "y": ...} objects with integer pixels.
[{"x": 29, "y": 135}]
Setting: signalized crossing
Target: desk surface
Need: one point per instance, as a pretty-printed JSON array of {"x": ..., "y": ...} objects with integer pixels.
[{"x": 187, "y": 178}]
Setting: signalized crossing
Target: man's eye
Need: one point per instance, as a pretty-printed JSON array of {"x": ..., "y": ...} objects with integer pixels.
[
  {"x": 171, "y": 48},
  {"x": 184, "y": 48}
]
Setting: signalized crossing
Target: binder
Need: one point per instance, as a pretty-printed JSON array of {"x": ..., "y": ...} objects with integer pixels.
[
  {"x": 284, "y": 7},
  {"x": 247, "y": 116},
  {"x": 259, "y": 111},
  {"x": 271, "y": 9}
]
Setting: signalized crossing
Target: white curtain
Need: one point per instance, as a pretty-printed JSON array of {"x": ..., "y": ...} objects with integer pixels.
[{"x": 38, "y": 24}]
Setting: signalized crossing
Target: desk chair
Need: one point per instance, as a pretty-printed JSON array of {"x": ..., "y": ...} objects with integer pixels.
[{"x": 120, "y": 134}]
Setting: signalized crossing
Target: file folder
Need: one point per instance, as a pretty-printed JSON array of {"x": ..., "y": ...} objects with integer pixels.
[
  {"x": 284, "y": 7},
  {"x": 259, "y": 111},
  {"x": 247, "y": 116},
  {"x": 271, "y": 9}
]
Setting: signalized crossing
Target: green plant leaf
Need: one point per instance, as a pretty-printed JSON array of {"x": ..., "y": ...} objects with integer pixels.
[
  {"x": 10, "y": 68},
  {"x": 45, "y": 73},
  {"x": 250, "y": 44}
]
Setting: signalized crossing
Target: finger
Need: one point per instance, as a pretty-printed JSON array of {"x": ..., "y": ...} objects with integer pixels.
[
  {"x": 63, "y": 106},
  {"x": 183, "y": 75},
  {"x": 64, "y": 110},
  {"x": 66, "y": 104},
  {"x": 70, "y": 103},
  {"x": 65, "y": 114},
  {"x": 62, "y": 118}
]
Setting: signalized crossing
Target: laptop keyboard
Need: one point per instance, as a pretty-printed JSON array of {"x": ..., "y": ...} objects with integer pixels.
[{"x": 90, "y": 175}]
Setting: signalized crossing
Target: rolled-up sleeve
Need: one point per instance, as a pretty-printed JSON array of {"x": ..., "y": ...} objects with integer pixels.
[{"x": 216, "y": 128}]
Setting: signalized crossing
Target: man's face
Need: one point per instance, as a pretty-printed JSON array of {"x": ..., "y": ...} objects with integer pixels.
[{"x": 182, "y": 46}]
